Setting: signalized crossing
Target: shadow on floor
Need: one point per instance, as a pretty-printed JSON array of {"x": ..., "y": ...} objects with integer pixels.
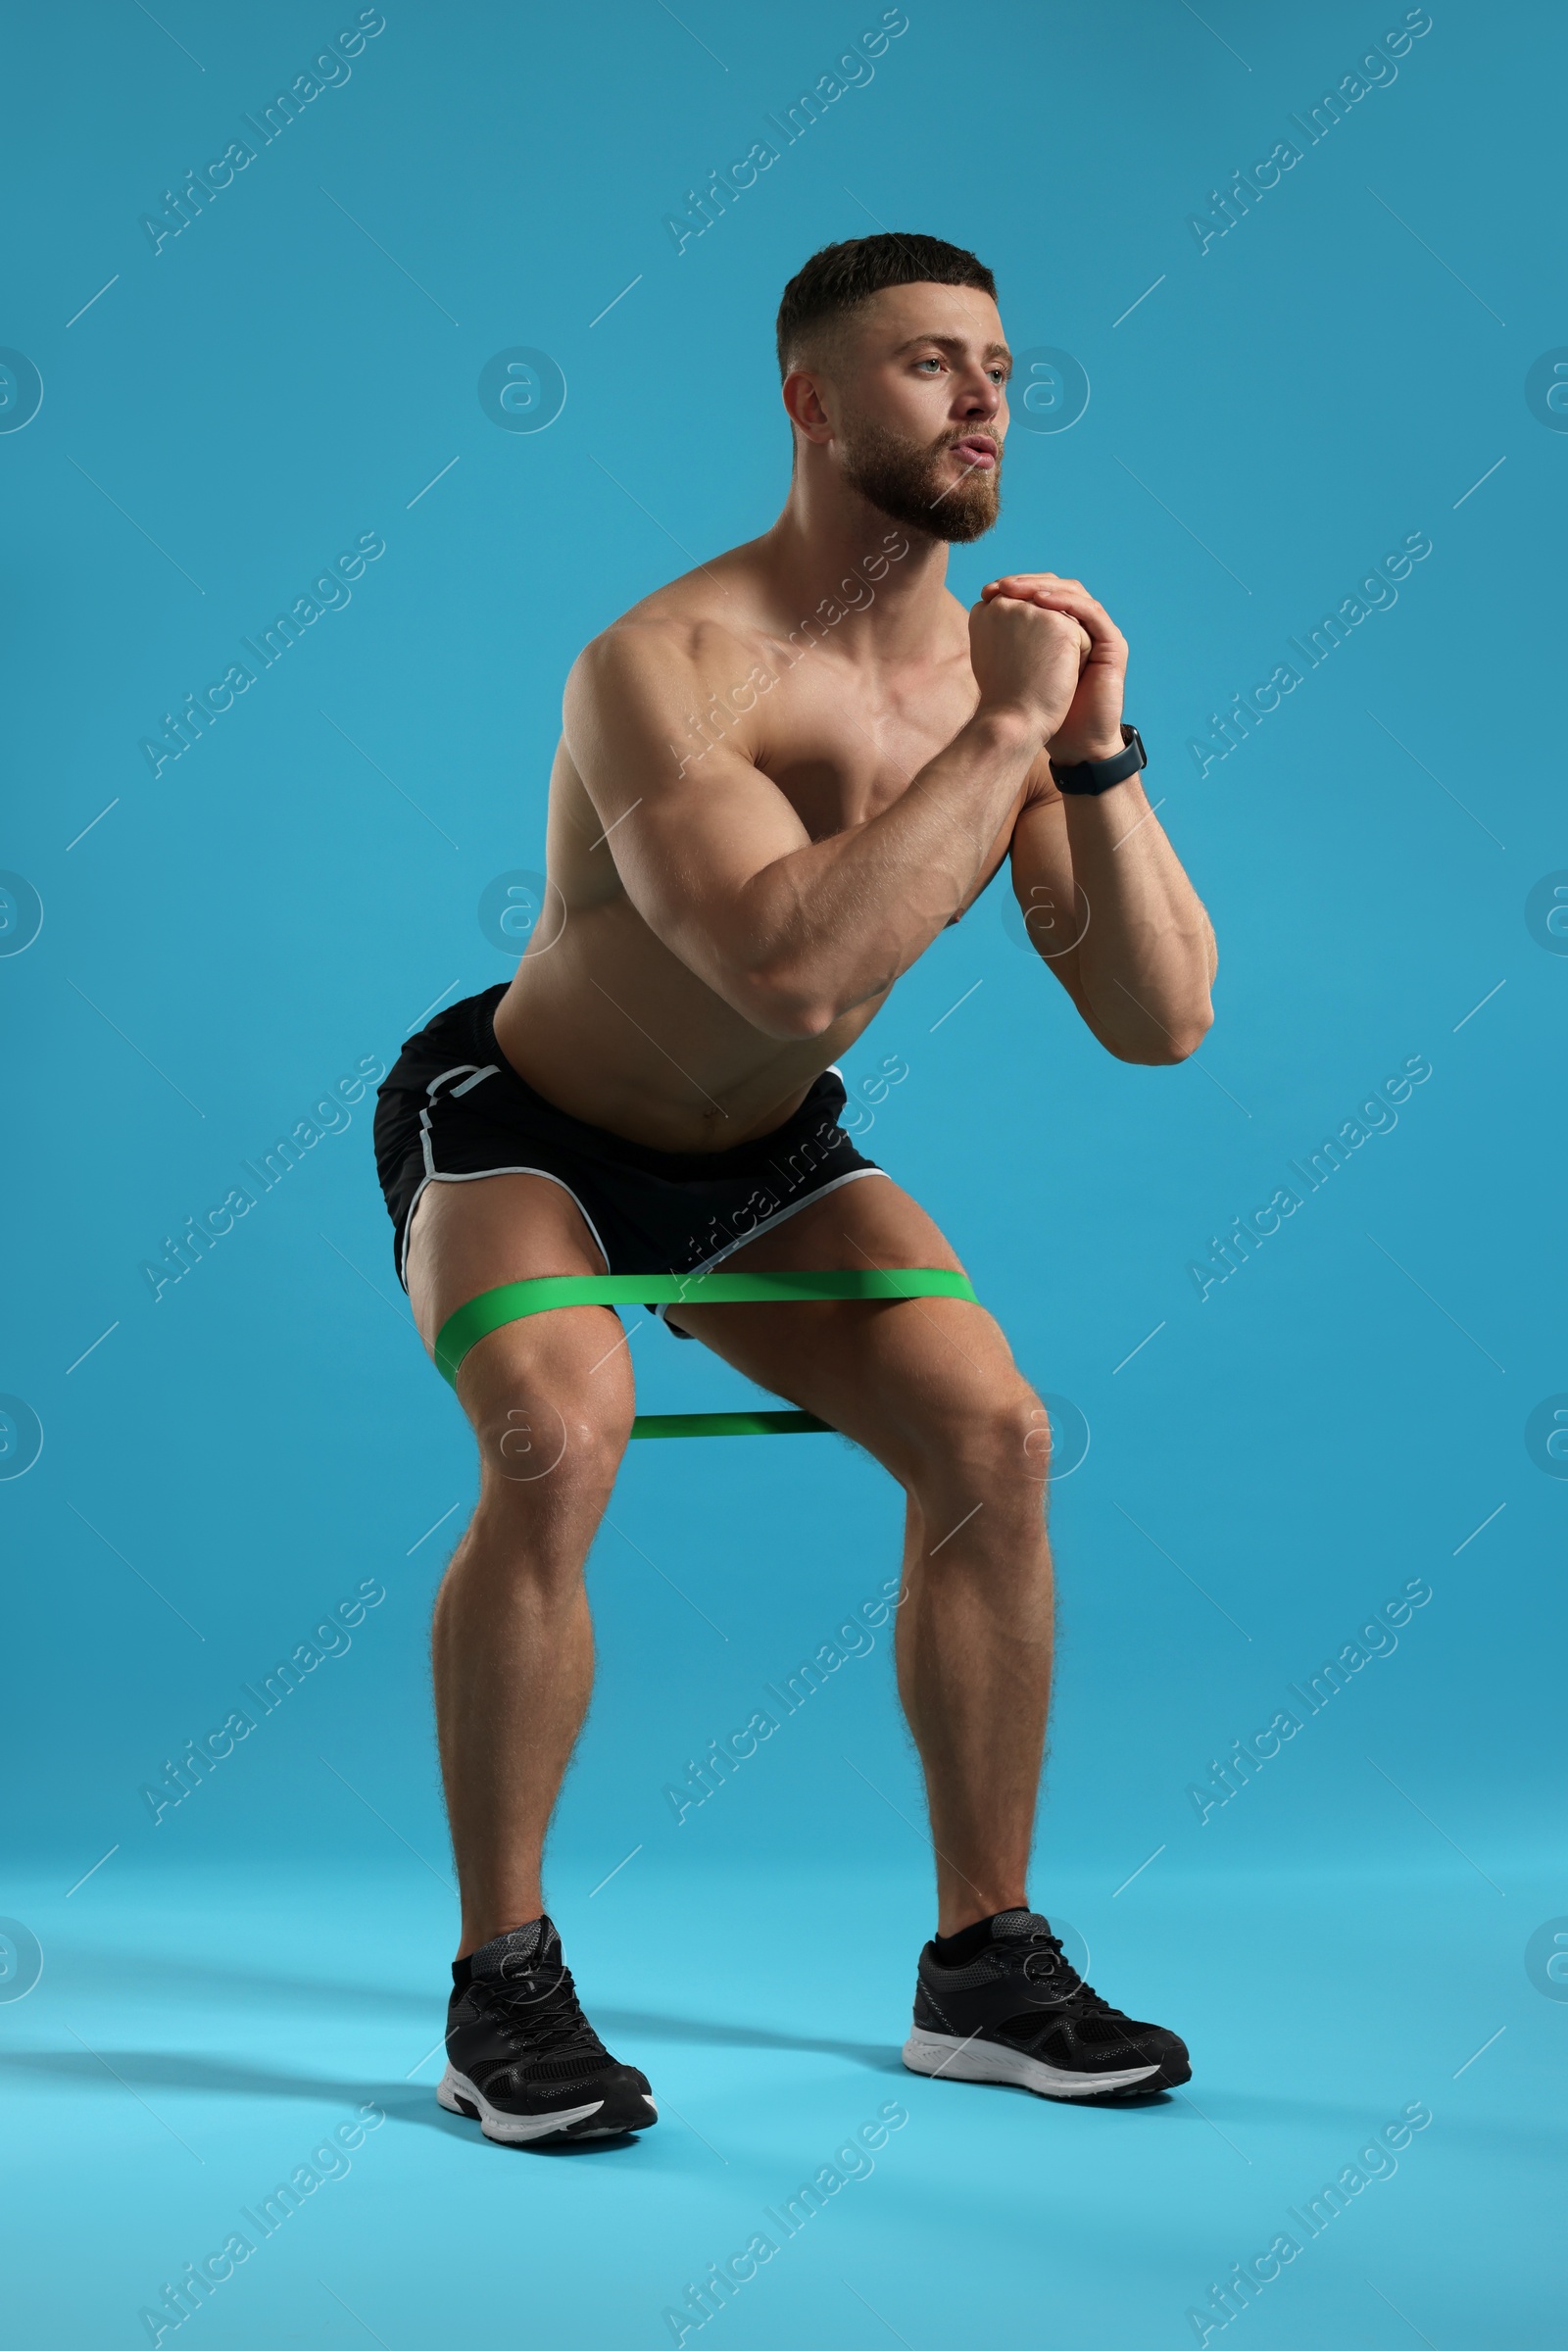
[
  {"x": 138, "y": 2069},
  {"x": 405, "y": 2101},
  {"x": 158, "y": 1974},
  {"x": 1245, "y": 2111},
  {"x": 879, "y": 2057}
]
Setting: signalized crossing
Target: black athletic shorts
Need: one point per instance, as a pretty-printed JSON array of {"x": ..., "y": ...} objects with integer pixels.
[{"x": 451, "y": 1109}]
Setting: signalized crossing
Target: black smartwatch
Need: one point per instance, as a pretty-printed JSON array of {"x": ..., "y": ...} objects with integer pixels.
[{"x": 1098, "y": 775}]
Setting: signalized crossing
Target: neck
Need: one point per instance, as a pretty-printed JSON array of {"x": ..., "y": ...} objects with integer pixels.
[{"x": 827, "y": 534}]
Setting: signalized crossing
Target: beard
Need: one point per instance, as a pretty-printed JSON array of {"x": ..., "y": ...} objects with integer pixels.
[{"x": 902, "y": 479}]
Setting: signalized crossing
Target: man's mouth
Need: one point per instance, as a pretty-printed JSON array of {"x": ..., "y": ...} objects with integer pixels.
[{"x": 976, "y": 451}]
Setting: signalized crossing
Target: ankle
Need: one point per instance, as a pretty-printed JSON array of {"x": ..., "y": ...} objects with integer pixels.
[
  {"x": 481, "y": 1927},
  {"x": 955, "y": 1917},
  {"x": 957, "y": 1945}
]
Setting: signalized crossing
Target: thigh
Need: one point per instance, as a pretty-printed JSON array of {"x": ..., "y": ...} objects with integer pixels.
[
  {"x": 564, "y": 1377},
  {"x": 897, "y": 1376}
]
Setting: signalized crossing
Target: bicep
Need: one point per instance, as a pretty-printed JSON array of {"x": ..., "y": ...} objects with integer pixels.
[{"x": 690, "y": 822}]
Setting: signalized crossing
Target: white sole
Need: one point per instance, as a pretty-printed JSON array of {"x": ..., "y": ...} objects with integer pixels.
[
  {"x": 988, "y": 2061},
  {"x": 459, "y": 2095}
]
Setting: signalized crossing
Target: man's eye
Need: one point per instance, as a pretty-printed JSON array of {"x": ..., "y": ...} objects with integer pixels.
[{"x": 932, "y": 362}]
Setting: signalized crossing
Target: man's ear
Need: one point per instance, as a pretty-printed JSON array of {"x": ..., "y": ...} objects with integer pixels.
[{"x": 801, "y": 395}]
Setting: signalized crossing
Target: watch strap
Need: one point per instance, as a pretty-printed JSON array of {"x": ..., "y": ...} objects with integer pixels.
[{"x": 1098, "y": 775}]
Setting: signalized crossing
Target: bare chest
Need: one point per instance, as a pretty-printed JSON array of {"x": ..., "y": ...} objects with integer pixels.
[{"x": 841, "y": 748}]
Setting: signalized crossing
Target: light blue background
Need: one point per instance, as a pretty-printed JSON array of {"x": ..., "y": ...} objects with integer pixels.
[{"x": 1277, "y": 413}]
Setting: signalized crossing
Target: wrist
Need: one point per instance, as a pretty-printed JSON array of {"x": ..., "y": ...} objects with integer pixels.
[
  {"x": 1071, "y": 751},
  {"x": 1011, "y": 726},
  {"x": 1091, "y": 777}
]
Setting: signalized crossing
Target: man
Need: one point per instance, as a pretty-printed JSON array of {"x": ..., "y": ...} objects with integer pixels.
[{"x": 778, "y": 779}]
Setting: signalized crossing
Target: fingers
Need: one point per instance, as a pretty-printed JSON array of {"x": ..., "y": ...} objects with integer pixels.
[
  {"x": 1045, "y": 587},
  {"x": 1028, "y": 578},
  {"x": 1048, "y": 588},
  {"x": 1023, "y": 583},
  {"x": 1053, "y": 593},
  {"x": 1050, "y": 596},
  {"x": 1040, "y": 604}
]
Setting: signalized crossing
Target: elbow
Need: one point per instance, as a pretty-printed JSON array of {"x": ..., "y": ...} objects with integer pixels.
[
  {"x": 1188, "y": 1040},
  {"x": 788, "y": 1025},
  {"x": 787, "y": 1013},
  {"x": 1167, "y": 1047},
  {"x": 1184, "y": 1040},
  {"x": 1169, "y": 1052},
  {"x": 792, "y": 998},
  {"x": 807, "y": 1020}
]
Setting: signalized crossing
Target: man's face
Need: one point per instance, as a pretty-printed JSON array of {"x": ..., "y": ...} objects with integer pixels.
[{"x": 918, "y": 397}]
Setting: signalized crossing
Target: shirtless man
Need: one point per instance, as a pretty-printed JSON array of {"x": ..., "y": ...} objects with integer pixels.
[{"x": 778, "y": 779}]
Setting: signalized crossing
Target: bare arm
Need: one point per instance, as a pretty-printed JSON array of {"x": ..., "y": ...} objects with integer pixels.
[
  {"x": 793, "y": 932},
  {"x": 1102, "y": 891},
  {"x": 1109, "y": 906}
]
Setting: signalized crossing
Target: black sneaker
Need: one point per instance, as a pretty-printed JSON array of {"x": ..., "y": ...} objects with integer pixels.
[
  {"x": 523, "y": 2060},
  {"x": 1020, "y": 2012}
]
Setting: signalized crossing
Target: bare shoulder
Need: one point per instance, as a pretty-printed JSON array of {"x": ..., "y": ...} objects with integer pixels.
[
  {"x": 703, "y": 630},
  {"x": 644, "y": 645}
]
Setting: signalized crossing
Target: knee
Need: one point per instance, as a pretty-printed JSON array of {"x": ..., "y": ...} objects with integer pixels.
[
  {"x": 557, "y": 1454},
  {"x": 996, "y": 1444}
]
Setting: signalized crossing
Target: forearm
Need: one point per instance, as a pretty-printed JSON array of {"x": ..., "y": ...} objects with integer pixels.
[
  {"x": 1143, "y": 957},
  {"x": 831, "y": 924},
  {"x": 1147, "y": 958}
]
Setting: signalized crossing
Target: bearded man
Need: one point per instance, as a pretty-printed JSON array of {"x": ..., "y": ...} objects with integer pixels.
[{"x": 778, "y": 779}]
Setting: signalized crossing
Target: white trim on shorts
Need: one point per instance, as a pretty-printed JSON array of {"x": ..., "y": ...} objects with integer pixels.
[
  {"x": 477, "y": 1175},
  {"x": 473, "y": 1075}
]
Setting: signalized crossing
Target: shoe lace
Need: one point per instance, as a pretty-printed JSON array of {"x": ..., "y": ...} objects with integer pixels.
[
  {"x": 544, "y": 2020},
  {"x": 1041, "y": 1959}
]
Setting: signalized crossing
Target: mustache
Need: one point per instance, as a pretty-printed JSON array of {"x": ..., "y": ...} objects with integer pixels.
[{"x": 974, "y": 432}]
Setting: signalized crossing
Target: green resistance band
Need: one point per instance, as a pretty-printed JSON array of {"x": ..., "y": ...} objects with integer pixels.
[{"x": 512, "y": 1301}]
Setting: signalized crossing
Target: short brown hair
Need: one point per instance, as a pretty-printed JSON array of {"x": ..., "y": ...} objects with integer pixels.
[{"x": 839, "y": 278}]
